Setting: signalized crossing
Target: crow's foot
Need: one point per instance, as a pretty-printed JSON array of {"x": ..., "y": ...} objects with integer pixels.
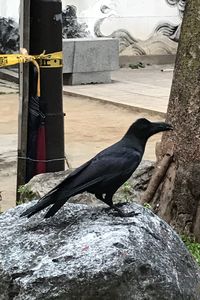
[
  {"x": 123, "y": 214},
  {"x": 120, "y": 204}
]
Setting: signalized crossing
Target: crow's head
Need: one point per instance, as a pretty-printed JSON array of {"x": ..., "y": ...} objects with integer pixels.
[{"x": 143, "y": 128}]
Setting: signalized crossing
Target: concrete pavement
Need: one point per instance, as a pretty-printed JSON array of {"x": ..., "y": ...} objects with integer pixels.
[{"x": 142, "y": 90}]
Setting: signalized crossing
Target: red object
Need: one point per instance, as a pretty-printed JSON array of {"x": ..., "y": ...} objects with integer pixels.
[{"x": 41, "y": 151}]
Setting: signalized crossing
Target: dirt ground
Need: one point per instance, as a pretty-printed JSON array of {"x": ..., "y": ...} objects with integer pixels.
[{"x": 90, "y": 126}]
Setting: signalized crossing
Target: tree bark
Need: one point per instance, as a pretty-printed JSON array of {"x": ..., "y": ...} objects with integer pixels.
[{"x": 177, "y": 199}]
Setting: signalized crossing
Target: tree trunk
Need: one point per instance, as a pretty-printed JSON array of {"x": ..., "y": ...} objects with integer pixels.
[{"x": 177, "y": 199}]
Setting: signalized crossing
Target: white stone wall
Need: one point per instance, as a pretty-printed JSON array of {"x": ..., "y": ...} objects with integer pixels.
[
  {"x": 143, "y": 26},
  {"x": 139, "y": 17},
  {"x": 9, "y": 8}
]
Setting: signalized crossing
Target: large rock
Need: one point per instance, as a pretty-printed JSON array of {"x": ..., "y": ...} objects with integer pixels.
[{"x": 88, "y": 253}]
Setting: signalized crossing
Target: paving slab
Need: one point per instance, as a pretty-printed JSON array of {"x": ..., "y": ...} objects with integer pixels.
[{"x": 143, "y": 90}]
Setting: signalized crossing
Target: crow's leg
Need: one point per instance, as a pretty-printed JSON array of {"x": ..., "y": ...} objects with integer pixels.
[
  {"x": 100, "y": 197},
  {"x": 108, "y": 200}
]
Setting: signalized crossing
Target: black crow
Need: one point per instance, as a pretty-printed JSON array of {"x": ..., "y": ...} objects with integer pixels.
[{"x": 106, "y": 172}]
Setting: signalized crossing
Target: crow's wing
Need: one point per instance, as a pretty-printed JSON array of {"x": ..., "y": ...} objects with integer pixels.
[
  {"x": 115, "y": 163},
  {"x": 68, "y": 179},
  {"x": 106, "y": 172}
]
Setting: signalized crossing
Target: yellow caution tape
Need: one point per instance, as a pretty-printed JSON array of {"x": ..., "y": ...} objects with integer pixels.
[{"x": 52, "y": 60}]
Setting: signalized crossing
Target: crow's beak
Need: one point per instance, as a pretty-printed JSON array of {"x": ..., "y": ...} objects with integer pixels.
[
  {"x": 160, "y": 126},
  {"x": 166, "y": 126}
]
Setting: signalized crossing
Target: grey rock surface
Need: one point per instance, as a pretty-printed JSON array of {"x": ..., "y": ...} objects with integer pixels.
[
  {"x": 131, "y": 191},
  {"x": 88, "y": 253}
]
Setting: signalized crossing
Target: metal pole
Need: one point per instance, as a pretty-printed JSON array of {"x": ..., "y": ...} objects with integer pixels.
[
  {"x": 46, "y": 34},
  {"x": 23, "y": 94}
]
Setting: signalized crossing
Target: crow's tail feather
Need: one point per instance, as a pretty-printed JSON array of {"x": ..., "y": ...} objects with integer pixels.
[
  {"x": 61, "y": 199},
  {"x": 51, "y": 212},
  {"x": 58, "y": 196},
  {"x": 41, "y": 204}
]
